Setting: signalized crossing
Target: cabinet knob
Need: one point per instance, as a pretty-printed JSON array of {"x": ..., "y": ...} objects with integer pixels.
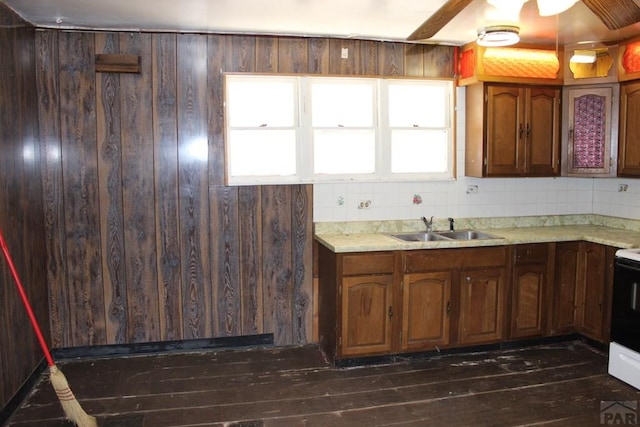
[
  {"x": 521, "y": 131},
  {"x": 390, "y": 312},
  {"x": 448, "y": 307}
]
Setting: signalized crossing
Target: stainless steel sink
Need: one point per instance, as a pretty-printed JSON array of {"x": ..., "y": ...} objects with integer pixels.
[
  {"x": 420, "y": 236},
  {"x": 467, "y": 235},
  {"x": 435, "y": 236}
]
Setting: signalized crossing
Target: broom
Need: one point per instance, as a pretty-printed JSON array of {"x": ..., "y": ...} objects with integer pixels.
[{"x": 72, "y": 409}]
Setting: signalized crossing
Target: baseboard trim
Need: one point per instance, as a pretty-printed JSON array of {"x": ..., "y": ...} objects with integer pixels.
[{"x": 113, "y": 350}]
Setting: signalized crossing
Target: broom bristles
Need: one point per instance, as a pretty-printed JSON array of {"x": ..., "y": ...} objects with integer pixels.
[{"x": 70, "y": 405}]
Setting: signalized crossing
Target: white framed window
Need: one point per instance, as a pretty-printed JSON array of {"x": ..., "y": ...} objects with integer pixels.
[
  {"x": 261, "y": 132},
  {"x": 420, "y": 129},
  {"x": 343, "y": 127},
  {"x": 294, "y": 129}
]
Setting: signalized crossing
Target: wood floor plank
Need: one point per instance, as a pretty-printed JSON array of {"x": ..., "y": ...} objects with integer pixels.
[{"x": 555, "y": 385}]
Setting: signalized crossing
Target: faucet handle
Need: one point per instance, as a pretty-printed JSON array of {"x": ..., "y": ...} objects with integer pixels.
[{"x": 451, "y": 221}]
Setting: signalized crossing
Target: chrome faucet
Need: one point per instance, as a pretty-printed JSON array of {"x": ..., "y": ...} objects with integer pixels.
[{"x": 428, "y": 223}]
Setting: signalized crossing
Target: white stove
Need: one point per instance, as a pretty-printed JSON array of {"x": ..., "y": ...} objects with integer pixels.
[
  {"x": 624, "y": 349},
  {"x": 633, "y": 254}
]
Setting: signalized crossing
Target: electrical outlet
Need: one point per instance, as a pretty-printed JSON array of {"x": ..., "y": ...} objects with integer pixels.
[
  {"x": 472, "y": 189},
  {"x": 622, "y": 188},
  {"x": 344, "y": 53},
  {"x": 365, "y": 204}
]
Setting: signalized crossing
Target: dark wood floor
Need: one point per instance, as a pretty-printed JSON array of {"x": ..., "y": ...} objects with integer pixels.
[{"x": 554, "y": 385}]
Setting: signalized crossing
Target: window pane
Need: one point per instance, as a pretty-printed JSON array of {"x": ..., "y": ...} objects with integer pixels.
[
  {"x": 341, "y": 152},
  {"x": 419, "y": 151},
  {"x": 419, "y": 105},
  {"x": 262, "y": 152},
  {"x": 254, "y": 103},
  {"x": 336, "y": 104}
]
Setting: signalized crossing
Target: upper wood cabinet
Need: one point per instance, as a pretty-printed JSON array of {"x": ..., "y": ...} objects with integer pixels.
[
  {"x": 512, "y": 130},
  {"x": 590, "y": 130},
  {"x": 629, "y": 141}
]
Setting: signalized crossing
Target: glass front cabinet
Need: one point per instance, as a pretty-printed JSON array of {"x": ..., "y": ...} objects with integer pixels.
[{"x": 590, "y": 133}]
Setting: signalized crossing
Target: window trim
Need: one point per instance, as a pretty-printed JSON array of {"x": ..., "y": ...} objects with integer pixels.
[{"x": 304, "y": 134}]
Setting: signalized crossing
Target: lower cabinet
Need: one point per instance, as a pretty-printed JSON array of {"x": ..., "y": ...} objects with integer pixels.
[
  {"x": 378, "y": 303},
  {"x": 529, "y": 289},
  {"x": 481, "y": 305},
  {"x": 367, "y": 310},
  {"x": 426, "y": 310},
  {"x": 582, "y": 290}
]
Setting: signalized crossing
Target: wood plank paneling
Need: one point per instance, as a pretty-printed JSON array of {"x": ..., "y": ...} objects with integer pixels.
[
  {"x": 138, "y": 192},
  {"x": 22, "y": 215},
  {"x": 145, "y": 240},
  {"x": 165, "y": 159},
  {"x": 193, "y": 190},
  {"x": 277, "y": 267},
  {"x": 80, "y": 180},
  {"x": 50, "y": 153},
  {"x": 251, "y": 247},
  {"x": 108, "y": 128},
  {"x": 266, "y": 53},
  {"x": 225, "y": 262},
  {"x": 292, "y": 55},
  {"x": 340, "y": 65},
  {"x": 215, "y": 98},
  {"x": 302, "y": 258},
  {"x": 318, "y": 60},
  {"x": 390, "y": 59}
]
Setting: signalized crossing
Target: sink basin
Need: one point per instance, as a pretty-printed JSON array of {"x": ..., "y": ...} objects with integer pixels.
[
  {"x": 421, "y": 236},
  {"x": 467, "y": 235}
]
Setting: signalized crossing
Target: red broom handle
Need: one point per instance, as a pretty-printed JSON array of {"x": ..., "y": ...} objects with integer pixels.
[{"x": 25, "y": 301}]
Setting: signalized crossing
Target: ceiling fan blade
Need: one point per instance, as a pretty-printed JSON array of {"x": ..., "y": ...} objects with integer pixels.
[
  {"x": 615, "y": 14},
  {"x": 446, "y": 13}
]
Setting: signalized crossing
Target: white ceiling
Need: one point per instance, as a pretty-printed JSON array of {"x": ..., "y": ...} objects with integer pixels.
[{"x": 391, "y": 20}]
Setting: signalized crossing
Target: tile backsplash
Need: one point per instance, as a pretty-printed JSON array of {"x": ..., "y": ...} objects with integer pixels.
[{"x": 476, "y": 198}]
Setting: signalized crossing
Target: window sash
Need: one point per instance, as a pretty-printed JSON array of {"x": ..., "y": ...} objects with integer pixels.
[{"x": 325, "y": 152}]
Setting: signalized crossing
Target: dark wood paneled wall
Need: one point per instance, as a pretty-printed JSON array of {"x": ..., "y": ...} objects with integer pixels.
[
  {"x": 144, "y": 240},
  {"x": 21, "y": 213}
]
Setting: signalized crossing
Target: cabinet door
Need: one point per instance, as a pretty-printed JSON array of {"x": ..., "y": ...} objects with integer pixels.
[
  {"x": 367, "y": 311},
  {"x": 425, "y": 310},
  {"x": 505, "y": 130},
  {"x": 589, "y": 140},
  {"x": 481, "y": 305},
  {"x": 542, "y": 131},
  {"x": 629, "y": 149},
  {"x": 565, "y": 288},
  {"x": 527, "y": 318},
  {"x": 591, "y": 297}
]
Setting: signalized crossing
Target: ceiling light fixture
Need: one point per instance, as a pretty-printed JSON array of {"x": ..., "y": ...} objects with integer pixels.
[
  {"x": 498, "y": 35},
  {"x": 584, "y": 56},
  {"x": 514, "y": 5},
  {"x": 554, "y": 7}
]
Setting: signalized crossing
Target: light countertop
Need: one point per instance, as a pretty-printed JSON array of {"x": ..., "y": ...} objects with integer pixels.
[{"x": 368, "y": 241}]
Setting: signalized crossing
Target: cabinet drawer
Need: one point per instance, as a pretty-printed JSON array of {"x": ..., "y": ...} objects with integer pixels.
[
  {"x": 367, "y": 263},
  {"x": 527, "y": 254},
  {"x": 438, "y": 259}
]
